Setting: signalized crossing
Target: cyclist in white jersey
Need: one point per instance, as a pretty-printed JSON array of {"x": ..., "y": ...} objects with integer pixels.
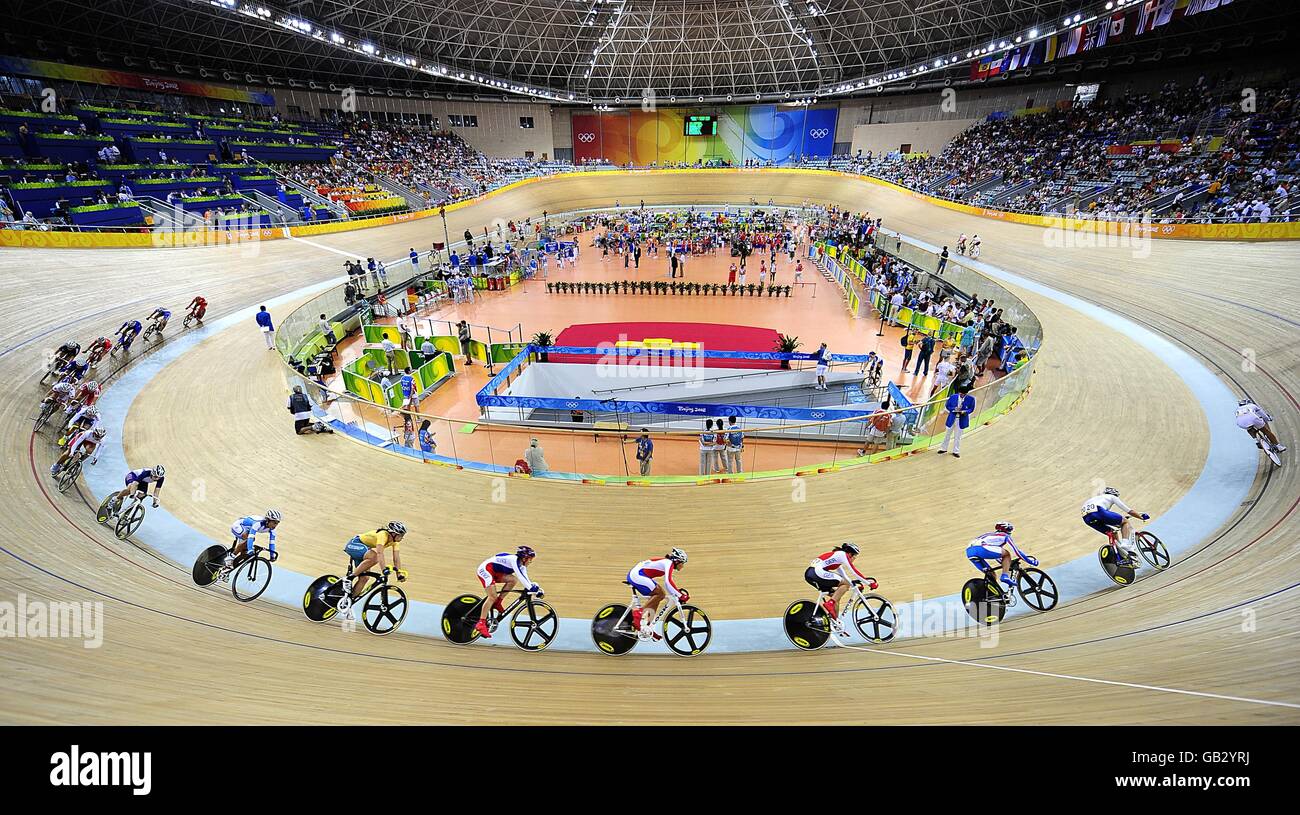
[
  {"x": 1254, "y": 420},
  {"x": 501, "y": 573},
  {"x": 1105, "y": 512},
  {"x": 833, "y": 571},
  {"x": 653, "y": 579},
  {"x": 245, "y": 532}
]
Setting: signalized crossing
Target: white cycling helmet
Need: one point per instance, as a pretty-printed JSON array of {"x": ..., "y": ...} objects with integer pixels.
[
  {"x": 272, "y": 515},
  {"x": 159, "y": 470},
  {"x": 677, "y": 556}
]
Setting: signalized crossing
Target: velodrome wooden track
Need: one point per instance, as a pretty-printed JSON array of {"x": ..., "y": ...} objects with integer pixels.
[{"x": 1102, "y": 407}]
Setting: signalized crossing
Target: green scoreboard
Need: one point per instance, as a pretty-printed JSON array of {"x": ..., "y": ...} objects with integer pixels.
[{"x": 701, "y": 125}]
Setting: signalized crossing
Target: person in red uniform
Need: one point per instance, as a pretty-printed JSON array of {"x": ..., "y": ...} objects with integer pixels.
[{"x": 198, "y": 307}]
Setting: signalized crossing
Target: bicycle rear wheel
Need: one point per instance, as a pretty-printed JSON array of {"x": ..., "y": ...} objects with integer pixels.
[{"x": 207, "y": 566}]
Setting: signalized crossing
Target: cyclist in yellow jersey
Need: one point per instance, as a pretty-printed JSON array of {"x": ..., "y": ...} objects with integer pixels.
[{"x": 367, "y": 551}]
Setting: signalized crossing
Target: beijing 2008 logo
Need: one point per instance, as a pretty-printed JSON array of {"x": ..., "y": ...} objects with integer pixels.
[
  {"x": 819, "y": 133},
  {"x": 586, "y": 138}
]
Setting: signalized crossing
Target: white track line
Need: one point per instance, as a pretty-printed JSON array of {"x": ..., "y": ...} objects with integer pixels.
[{"x": 1135, "y": 685}]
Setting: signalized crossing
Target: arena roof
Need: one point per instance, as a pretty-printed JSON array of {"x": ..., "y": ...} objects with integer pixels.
[{"x": 583, "y": 51}]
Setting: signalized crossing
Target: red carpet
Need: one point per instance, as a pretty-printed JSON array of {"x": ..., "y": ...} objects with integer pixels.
[{"x": 711, "y": 336}]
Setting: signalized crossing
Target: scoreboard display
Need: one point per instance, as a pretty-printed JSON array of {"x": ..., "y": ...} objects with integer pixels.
[{"x": 701, "y": 125}]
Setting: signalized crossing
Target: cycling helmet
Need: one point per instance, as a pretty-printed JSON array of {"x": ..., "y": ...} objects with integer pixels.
[
  {"x": 1004, "y": 526},
  {"x": 525, "y": 551},
  {"x": 92, "y": 412},
  {"x": 92, "y": 386},
  {"x": 71, "y": 348},
  {"x": 677, "y": 556},
  {"x": 272, "y": 515},
  {"x": 1112, "y": 491},
  {"x": 850, "y": 547},
  {"x": 1243, "y": 402},
  {"x": 63, "y": 386},
  {"x": 100, "y": 432},
  {"x": 159, "y": 471},
  {"x": 396, "y": 527}
]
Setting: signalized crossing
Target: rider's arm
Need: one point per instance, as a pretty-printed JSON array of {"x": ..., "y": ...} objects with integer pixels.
[
  {"x": 524, "y": 579},
  {"x": 668, "y": 584}
]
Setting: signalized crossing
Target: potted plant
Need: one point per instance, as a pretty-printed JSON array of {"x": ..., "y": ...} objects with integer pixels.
[
  {"x": 543, "y": 339},
  {"x": 786, "y": 345}
]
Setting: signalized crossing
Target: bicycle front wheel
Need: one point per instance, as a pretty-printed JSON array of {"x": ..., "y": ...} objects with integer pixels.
[{"x": 251, "y": 579}]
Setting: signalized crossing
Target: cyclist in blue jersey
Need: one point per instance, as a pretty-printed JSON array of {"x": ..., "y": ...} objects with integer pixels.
[
  {"x": 158, "y": 320},
  {"x": 128, "y": 332},
  {"x": 997, "y": 546},
  {"x": 245, "y": 532},
  {"x": 138, "y": 481}
]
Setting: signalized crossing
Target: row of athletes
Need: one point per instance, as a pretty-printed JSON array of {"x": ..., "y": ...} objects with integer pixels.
[{"x": 71, "y": 364}]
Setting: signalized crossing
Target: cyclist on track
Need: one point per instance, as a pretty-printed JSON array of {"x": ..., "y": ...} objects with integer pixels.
[
  {"x": 127, "y": 334},
  {"x": 138, "y": 481},
  {"x": 98, "y": 350},
  {"x": 86, "y": 418},
  {"x": 1105, "y": 512},
  {"x": 832, "y": 573},
  {"x": 245, "y": 532},
  {"x": 60, "y": 394},
  {"x": 197, "y": 308},
  {"x": 505, "y": 571},
  {"x": 367, "y": 551},
  {"x": 66, "y": 353},
  {"x": 158, "y": 319},
  {"x": 653, "y": 579},
  {"x": 73, "y": 370},
  {"x": 997, "y": 545},
  {"x": 85, "y": 395},
  {"x": 1254, "y": 420},
  {"x": 83, "y": 444}
]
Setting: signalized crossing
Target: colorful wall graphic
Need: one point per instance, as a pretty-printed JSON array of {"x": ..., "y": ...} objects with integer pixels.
[
  {"x": 761, "y": 132},
  {"x": 124, "y": 79}
]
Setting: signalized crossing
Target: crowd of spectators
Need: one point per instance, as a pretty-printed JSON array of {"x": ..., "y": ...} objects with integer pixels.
[{"x": 1230, "y": 163}]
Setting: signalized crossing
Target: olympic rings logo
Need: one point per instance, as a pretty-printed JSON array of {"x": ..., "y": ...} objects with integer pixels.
[
  {"x": 819, "y": 133},
  {"x": 586, "y": 138}
]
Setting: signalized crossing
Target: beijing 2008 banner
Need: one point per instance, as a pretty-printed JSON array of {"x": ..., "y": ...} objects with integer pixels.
[
  {"x": 124, "y": 79},
  {"x": 758, "y": 132}
]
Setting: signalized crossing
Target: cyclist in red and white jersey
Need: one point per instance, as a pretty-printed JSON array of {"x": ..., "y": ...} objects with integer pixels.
[
  {"x": 833, "y": 572},
  {"x": 653, "y": 579}
]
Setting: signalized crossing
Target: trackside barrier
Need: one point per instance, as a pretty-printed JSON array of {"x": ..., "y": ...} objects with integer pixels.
[{"x": 597, "y": 452}]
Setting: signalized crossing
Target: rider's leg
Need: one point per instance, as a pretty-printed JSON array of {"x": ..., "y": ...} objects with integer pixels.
[
  {"x": 367, "y": 563},
  {"x": 1272, "y": 437},
  {"x": 651, "y": 605},
  {"x": 838, "y": 594},
  {"x": 1006, "y": 566}
]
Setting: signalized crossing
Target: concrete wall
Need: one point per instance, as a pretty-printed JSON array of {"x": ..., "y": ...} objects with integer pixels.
[{"x": 924, "y": 137}]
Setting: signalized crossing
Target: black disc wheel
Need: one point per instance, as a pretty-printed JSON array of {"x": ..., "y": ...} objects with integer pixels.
[
  {"x": 611, "y": 630},
  {"x": 459, "y": 617},
  {"x": 321, "y": 600},
  {"x": 207, "y": 566},
  {"x": 807, "y": 625}
]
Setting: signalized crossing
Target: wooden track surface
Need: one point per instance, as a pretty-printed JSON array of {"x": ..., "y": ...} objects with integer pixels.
[{"x": 1102, "y": 407}]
